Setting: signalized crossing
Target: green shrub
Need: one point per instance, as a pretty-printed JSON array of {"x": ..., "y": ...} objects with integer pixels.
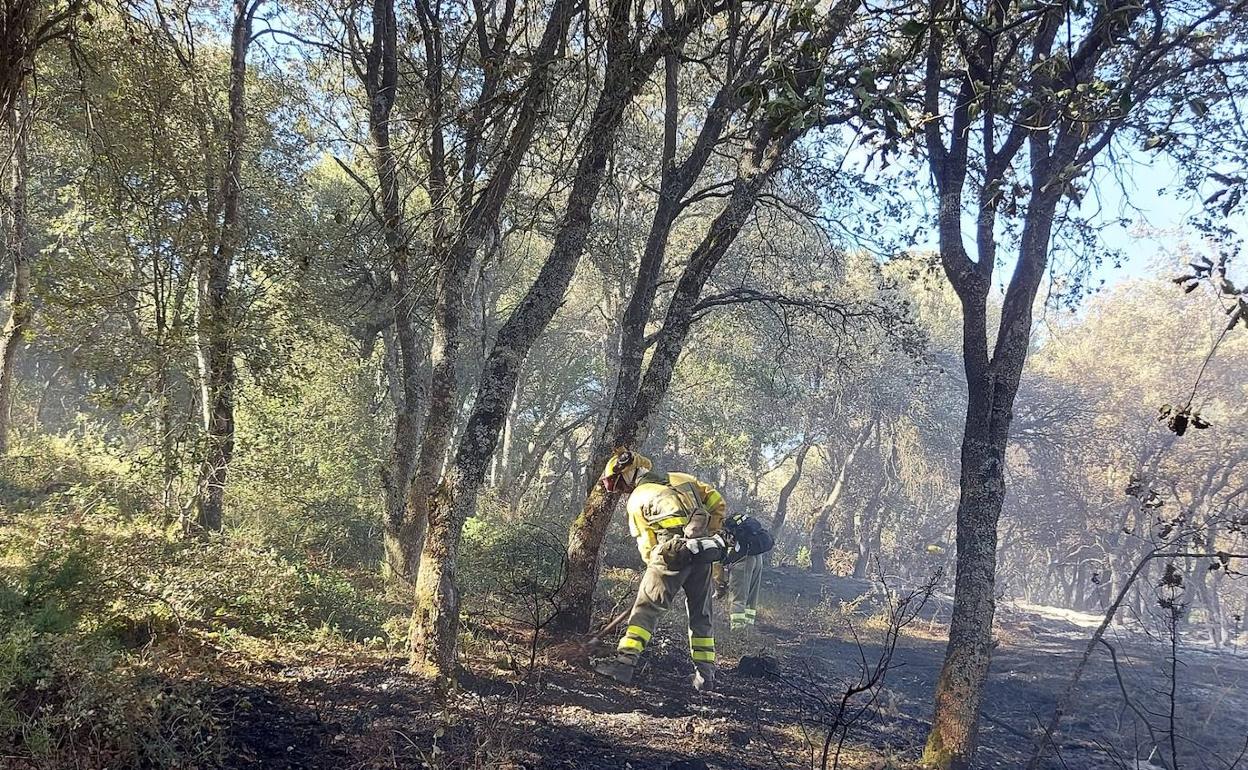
[
  {"x": 85, "y": 602},
  {"x": 68, "y": 689},
  {"x": 234, "y": 587},
  {"x": 67, "y": 474},
  {"x": 304, "y": 479},
  {"x": 511, "y": 566}
]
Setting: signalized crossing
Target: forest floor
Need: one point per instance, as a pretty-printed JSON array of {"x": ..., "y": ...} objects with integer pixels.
[{"x": 334, "y": 709}]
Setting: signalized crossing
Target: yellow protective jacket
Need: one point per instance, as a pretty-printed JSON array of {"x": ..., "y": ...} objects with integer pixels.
[{"x": 665, "y": 505}]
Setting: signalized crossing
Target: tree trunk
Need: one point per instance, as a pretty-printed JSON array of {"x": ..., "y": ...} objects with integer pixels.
[
  {"x": 869, "y": 544},
  {"x": 21, "y": 309},
  {"x": 587, "y": 533},
  {"x": 959, "y": 689},
  {"x": 217, "y": 320},
  {"x": 437, "y": 602},
  {"x": 589, "y": 530},
  {"x": 819, "y": 535},
  {"x": 992, "y": 384},
  {"x": 867, "y": 532},
  {"x": 449, "y": 306},
  {"x": 402, "y": 532},
  {"x": 501, "y": 466},
  {"x": 786, "y": 492}
]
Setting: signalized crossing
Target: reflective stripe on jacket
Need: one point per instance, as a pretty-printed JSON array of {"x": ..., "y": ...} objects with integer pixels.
[{"x": 671, "y": 504}]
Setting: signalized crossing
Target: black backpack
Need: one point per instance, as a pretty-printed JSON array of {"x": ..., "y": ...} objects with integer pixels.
[{"x": 749, "y": 533}]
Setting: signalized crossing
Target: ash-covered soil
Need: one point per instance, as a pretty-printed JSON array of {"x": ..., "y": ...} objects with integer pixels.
[{"x": 337, "y": 710}]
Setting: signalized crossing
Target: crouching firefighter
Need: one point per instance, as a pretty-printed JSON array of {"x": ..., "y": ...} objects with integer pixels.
[{"x": 676, "y": 521}]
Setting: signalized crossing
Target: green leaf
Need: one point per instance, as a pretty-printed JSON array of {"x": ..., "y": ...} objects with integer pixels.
[
  {"x": 866, "y": 77},
  {"x": 913, "y": 28}
]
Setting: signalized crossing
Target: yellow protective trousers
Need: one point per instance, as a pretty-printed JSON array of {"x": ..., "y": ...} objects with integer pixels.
[
  {"x": 744, "y": 579},
  {"x": 659, "y": 586}
]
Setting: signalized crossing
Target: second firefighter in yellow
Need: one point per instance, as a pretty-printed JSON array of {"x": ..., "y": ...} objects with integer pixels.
[{"x": 676, "y": 520}]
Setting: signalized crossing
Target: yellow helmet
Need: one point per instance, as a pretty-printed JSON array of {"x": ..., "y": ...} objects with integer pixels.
[{"x": 623, "y": 469}]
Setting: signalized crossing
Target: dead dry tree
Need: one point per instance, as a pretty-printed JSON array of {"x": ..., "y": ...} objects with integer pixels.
[{"x": 847, "y": 703}]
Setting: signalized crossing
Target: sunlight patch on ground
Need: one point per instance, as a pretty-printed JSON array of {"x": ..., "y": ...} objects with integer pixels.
[{"x": 1073, "y": 617}]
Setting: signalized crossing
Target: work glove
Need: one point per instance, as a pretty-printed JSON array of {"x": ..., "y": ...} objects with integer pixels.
[
  {"x": 673, "y": 553},
  {"x": 706, "y": 548}
]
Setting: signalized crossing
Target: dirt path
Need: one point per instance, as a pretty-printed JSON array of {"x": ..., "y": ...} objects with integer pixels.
[{"x": 351, "y": 712}]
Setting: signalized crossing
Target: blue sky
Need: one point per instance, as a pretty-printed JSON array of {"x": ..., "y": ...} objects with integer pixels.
[
  {"x": 1160, "y": 221},
  {"x": 1145, "y": 218}
]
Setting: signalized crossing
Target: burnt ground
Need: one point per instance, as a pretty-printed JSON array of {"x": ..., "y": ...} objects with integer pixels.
[{"x": 351, "y": 710}]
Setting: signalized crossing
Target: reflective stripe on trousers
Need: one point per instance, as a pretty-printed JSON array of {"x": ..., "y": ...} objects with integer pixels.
[
  {"x": 702, "y": 648},
  {"x": 634, "y": 640}
]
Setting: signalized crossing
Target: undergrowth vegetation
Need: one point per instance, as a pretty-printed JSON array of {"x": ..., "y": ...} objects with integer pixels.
[
  {"x": 117, "y": 633},
  {"x": 111, "y": 624}
]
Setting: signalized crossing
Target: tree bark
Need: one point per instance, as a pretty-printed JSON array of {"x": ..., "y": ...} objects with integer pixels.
[
  {"x": 21, "y": 309},
  {"x": 401, "y": 533},
  {"x": 217, "y": 320},
  {"x": 769, "y": 141},
  {"x": 501, "y": 468},
  {"x": 867, "y": 531},
  {"x": 959, "y": 689},
  {"x": 589, "y": 529},
  {"x": 992, "y": 387},
  {"x": 451, "y": 286},
  {"x": 587, "y": 533}
]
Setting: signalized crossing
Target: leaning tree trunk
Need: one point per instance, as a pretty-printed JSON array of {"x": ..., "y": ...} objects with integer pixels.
[
  {"x": 216, "y": 321},
  {"x": 587, "y": 533},
  {"x": 449, "y": 305},
  {"x": 589, "y": 530},
  {"x": 819, "y": 535},
  {"x": 770, "y": 140},
  {"x": 436, "y": 613},
  {"x": 21, "y": 309},
  {"x": 786, "y": 492}
]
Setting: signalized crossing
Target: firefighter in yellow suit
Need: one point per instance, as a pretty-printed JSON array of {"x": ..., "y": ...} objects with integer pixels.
[{"x": 676, "y": 520}]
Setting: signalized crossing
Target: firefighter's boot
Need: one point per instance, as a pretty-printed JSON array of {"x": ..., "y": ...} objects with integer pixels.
[
  {"x": 620, "y": 668},
  {"x": 704, "y": 677}
]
